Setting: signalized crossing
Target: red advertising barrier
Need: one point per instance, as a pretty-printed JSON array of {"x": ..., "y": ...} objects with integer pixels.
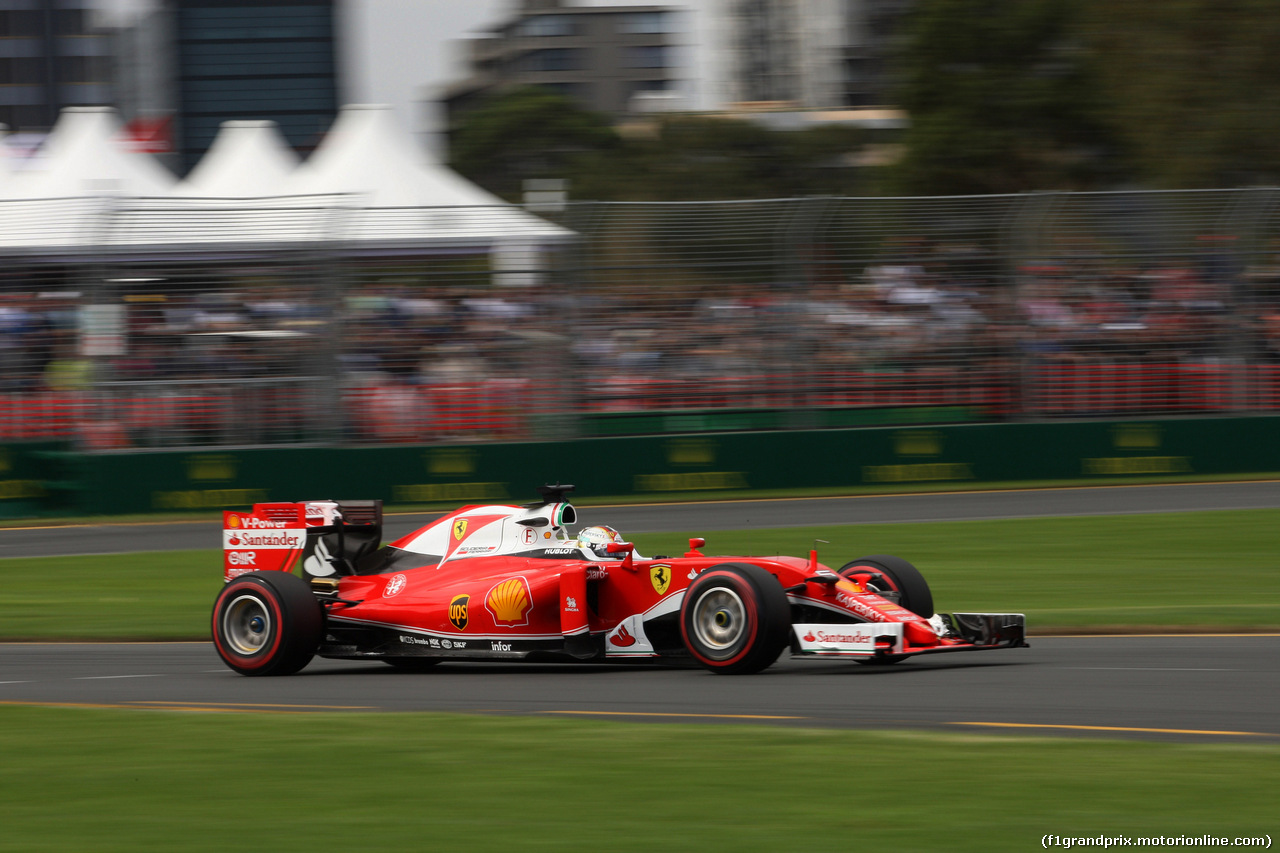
[{"x": 392, "y": 413}]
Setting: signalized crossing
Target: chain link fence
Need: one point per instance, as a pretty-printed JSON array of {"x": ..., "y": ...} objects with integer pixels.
[{"x": 134, "y": 324}]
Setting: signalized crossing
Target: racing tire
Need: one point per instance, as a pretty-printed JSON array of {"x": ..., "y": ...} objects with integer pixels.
[
  {"x": 735, "y": 619},
  {"x": 267, "y": 623},
  {"x": 411, "y": 664},
  {"x": 897, "y": 575},
  {"x": 894, "y": 574}
]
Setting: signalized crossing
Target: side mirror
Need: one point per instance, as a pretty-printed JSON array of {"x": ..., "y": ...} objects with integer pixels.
[
  {"x": 694, "y": 545},
  {"x": 622, "y": 548}
]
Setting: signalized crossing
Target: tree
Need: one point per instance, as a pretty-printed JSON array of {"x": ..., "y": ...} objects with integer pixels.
[
  {"x": 524, "y": 133},
  {"x": 699, "y": 158},
  {"x": 1193, "y": 88},
  {"x": 1000, "y": 98},
  {"x": 532, "y": 133}
]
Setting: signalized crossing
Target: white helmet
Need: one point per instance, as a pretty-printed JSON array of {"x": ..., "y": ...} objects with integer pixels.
[{"x": 598, "y": 538}]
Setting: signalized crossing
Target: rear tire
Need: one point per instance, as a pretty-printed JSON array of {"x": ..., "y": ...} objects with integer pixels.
[
  {"x": 267, "y": 623},
  {"x": 735, "y": 619},
  {"x": 882, "y": 573}
]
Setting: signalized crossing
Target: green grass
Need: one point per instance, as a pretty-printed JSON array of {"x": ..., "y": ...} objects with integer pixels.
[
  {"x": 159, "y": 595},
  {"x": 129, "y": 781},
  {"x": 587, "y": 500},
  {"x": 1176, "y": 570},
  {"x": 1200, "y": 570}
]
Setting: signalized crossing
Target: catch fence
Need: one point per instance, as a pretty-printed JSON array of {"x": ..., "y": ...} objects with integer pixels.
[{"x": 136, "y": 323}]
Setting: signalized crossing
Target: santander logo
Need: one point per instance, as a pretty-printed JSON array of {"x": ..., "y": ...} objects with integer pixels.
[{"x": 856, "y": 638}]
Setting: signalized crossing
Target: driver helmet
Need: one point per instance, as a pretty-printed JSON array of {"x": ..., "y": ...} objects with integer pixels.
[{"x": 597, "y": 538}]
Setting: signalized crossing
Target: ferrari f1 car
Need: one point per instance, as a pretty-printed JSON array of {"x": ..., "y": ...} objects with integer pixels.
[{"x": 510, "y": 583}]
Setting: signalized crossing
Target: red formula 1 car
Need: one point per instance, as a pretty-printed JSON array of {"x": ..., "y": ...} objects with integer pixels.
[{"x": 510, "y": 583}]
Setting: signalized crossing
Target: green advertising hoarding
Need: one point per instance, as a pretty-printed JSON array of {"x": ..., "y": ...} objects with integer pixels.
[{"x": 119, "y": 483}]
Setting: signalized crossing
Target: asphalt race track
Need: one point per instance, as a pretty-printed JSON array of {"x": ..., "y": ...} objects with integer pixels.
[
  {"x": 1176, "y": 688},
  {"x": 1163, "y": 687},
  {"x": 725, "y": 515}
]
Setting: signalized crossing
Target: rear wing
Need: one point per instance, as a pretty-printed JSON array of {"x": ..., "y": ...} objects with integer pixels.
[{"x": 325, "y": 537}]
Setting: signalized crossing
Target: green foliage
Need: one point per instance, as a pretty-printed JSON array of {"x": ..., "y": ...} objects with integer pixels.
[
  {"x": 1193, "y": 88},
  {"x": 1000, "y": 99},
  {"x": 1016, "y": 95},
  {"x": 533, "y": 133},
  {"x": 703, "y": 159},
  {"x": 526, "y": 133}
]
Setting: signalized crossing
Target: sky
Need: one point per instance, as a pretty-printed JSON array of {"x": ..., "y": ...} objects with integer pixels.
[{"x": 403, "y": 53}]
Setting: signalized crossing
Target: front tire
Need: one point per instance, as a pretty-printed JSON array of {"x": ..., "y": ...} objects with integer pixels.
[
  {"x": 882, "y": 573},
  {"x": 267, "y": 623},
  {"x": 735, "y": 619}
]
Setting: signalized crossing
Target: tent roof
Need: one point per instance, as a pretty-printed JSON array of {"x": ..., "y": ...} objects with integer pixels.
[
  {"x": 367, "y": 187},
  {"x": 247, "y": 159},
  {"x": 83, "y": 156},
  {"x": 367, "y": 152},
  {"x": 400, "y": 195}
]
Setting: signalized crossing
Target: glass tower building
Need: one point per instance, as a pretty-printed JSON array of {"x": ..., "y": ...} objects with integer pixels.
[{"x": 249, "y": 59}]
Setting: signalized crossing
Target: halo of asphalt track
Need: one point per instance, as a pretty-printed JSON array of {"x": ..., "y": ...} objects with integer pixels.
[{"x": 1161, "y": 687}]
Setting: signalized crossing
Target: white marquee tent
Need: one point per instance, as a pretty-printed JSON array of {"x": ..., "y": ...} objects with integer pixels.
[
  {"x": 247, "y": 159},
  {"x": 84, "y": 156},
  {"x": 366, "y": 187},
  {"x": 401, "y": 196}
]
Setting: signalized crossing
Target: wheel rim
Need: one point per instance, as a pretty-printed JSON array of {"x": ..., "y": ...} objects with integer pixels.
[
  {"x": 719, "y": 621},
  {"x": 246, "y": 625}
]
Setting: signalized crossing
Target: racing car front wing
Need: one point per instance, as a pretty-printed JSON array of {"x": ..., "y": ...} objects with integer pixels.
[{"x": 958, "y": 632}]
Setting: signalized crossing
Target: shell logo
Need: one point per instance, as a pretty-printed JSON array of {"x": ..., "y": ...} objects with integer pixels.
[
  {"x": 233, "y": 521},
  {"x": 459, "y": 529},
  {"x": 510, "y": 602}
]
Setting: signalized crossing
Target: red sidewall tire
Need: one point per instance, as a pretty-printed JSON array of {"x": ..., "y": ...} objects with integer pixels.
[
  {"x": 764, "y": 613},
  {"x": 295, "y": 624},
  {"x": 751, "y": 615},
  {"x": 230, "y": 593},
  {"x": 902, "y": 577}
]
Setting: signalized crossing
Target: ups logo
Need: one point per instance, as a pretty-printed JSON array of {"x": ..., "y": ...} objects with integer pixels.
[{"x": 458, "y": 611}]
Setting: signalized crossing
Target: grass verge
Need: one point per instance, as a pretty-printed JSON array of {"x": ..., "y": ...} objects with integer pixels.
[
  {"x": 1177, "y": 571},
  {"x": 585, "y": 500},
  {"x": 128, "y": 781}
]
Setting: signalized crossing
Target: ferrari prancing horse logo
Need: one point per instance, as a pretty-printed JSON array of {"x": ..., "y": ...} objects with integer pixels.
[
  {"x": 660, "y": 577},
  {"x": 459, "y": 528}
]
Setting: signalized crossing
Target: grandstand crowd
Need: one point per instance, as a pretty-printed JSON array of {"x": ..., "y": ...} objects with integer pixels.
[{"x": 941, "y": 326}]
